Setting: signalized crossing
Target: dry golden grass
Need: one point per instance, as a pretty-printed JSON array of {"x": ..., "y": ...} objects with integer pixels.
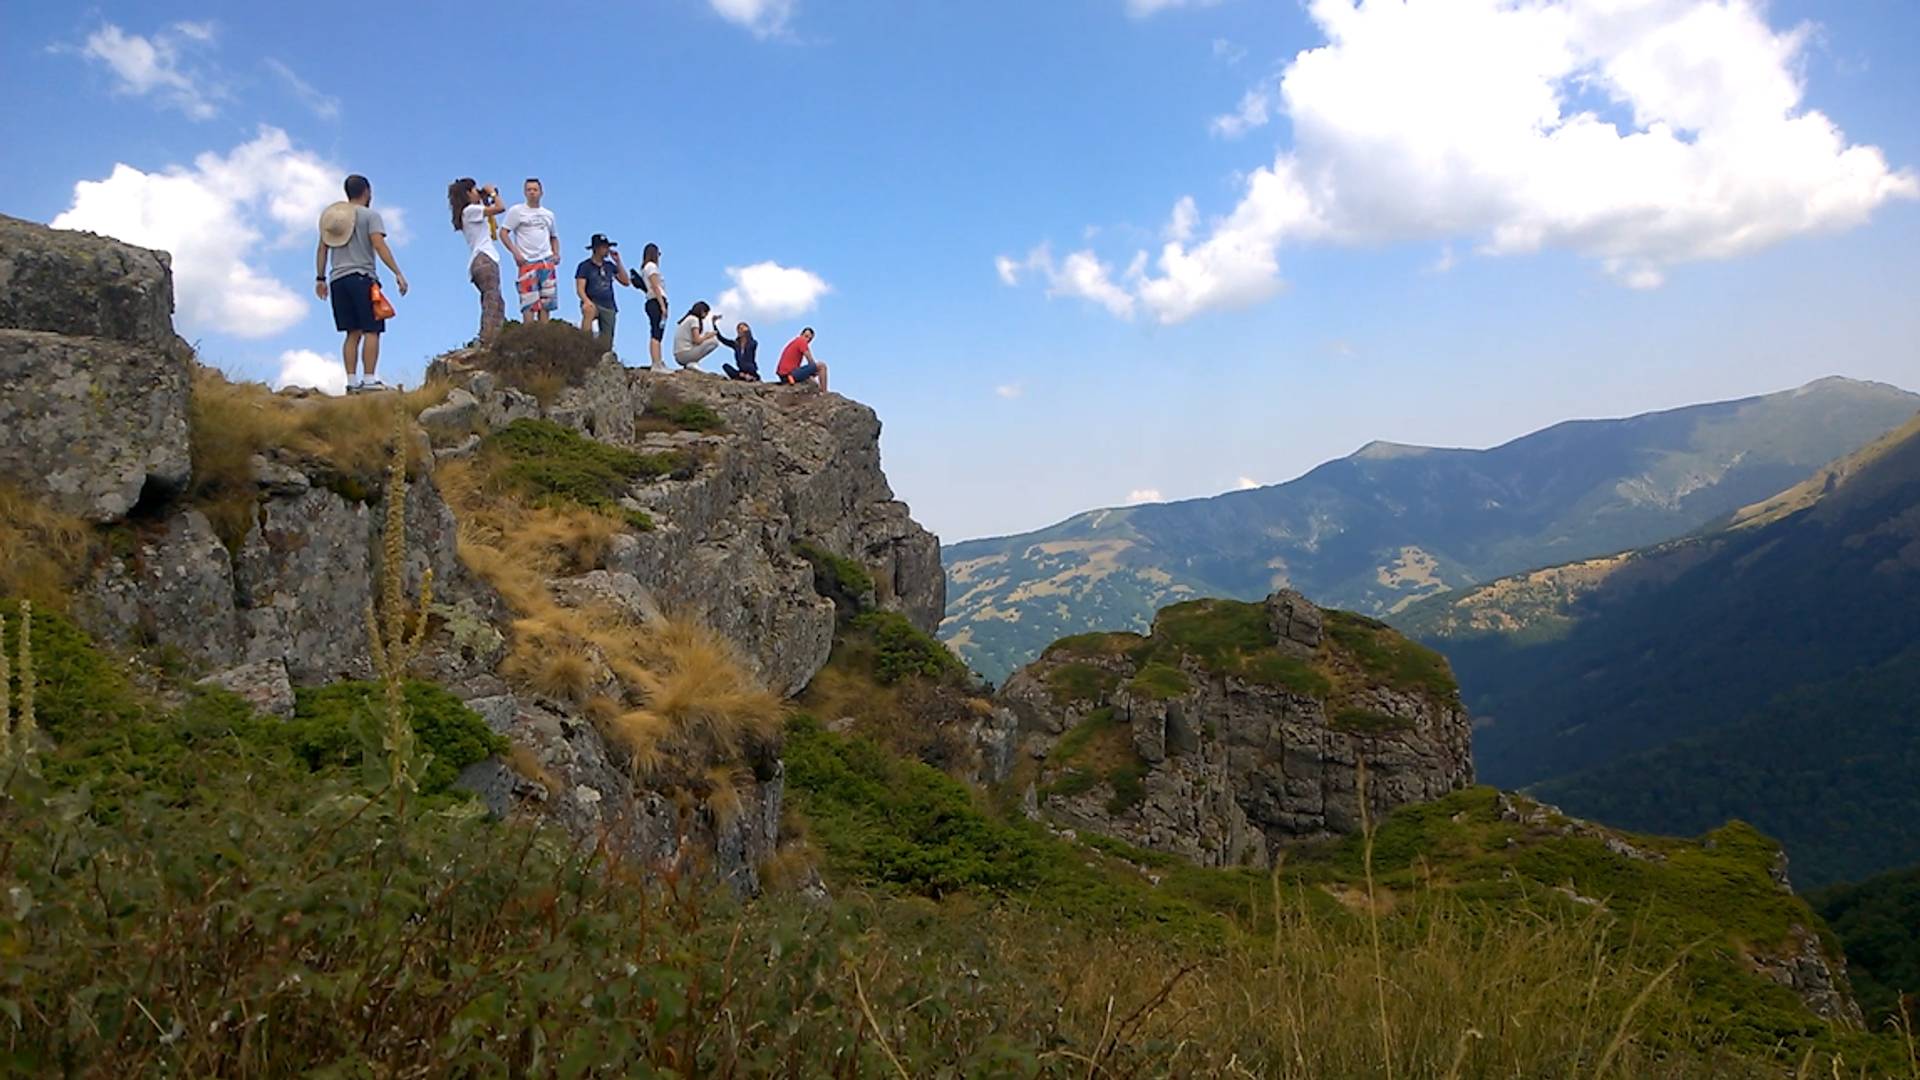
[
  {"x": 673, "y": 695},
  {"x": 43, "y": 552},
  {"x": 521, "y": 759},
  {"x": 347, "y": 437}
]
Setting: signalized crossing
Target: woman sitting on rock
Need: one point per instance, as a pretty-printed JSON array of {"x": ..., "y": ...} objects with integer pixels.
[
  {"x": 692, "y": 339},
  {"x": 745, "y": 349}
]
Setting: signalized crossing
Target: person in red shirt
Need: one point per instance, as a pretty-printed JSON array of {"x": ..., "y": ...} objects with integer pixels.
[{"x": 797, "y": 364}]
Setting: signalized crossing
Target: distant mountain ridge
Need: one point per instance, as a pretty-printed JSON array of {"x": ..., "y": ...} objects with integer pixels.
[
  {"x": 1766, "y": 669},
  {"x": 1391, "y": 523}
]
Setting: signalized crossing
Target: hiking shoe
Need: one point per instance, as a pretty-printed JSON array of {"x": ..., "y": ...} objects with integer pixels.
[{"x": 373, "y": 386}]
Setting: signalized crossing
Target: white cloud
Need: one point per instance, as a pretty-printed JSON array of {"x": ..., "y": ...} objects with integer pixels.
[
  {"x": 1079, "y": 274},
  {"x": 1140, "y": 9},
  {"x": 154, "y": 65},
  {"x": 1185, "y": 216},
  {"x": 1246, "y": 483},
  {"x": 324, "y": 106},
  {"x": 1641, "y": 134},
  {"x": 1445, "y": 262},
  {"x": 766, "y": 18},
  {"x": 767, "y": 290},
  {"x": 304, "y": 367},
  {"x": 1143, "y": 495},
  {"x": 213, "y": 218},
  {"x": 1010, "y": 390},
  {"x": 1256, "y": 109}
]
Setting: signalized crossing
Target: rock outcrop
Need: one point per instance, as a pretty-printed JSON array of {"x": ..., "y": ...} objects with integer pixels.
[
  {"x": 94, "y": 416},
  {"x": 1235, "y": 728},
  {"x": 95, "y": 419}
]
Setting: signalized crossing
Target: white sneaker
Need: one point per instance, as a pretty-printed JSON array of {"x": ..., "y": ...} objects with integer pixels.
[{"x": 373, "y": 386}]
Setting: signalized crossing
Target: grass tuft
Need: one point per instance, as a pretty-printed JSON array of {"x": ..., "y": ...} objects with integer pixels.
[
  {"x": 542, "y": 358},
  {"x": 43, "y": 552}
]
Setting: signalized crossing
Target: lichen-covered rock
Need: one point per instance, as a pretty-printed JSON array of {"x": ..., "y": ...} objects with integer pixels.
[
  {"x": 1235, "y": 728},
  {"x": 263, "y": 685},
  {"x": 92, "y": 424},
  {"x": 78, "y": 284}
]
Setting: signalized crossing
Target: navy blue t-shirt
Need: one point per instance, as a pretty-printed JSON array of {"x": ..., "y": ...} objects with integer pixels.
[{"x": 600, "y": 280}]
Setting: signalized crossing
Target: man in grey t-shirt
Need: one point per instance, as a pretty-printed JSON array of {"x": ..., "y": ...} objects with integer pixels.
[{"x": 351, "y": 235}]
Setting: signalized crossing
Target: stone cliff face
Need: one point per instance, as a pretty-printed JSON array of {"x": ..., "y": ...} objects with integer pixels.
[
  {"x": 1234, "y": 728},
  {"x": 95, "y": 418}
]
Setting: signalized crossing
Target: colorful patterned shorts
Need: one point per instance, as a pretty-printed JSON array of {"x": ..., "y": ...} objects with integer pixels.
[{"x": 538, "y": 286}]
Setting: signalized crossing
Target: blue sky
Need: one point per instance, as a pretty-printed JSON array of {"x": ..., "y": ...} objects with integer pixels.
[{"x": 1061, "y": 253}]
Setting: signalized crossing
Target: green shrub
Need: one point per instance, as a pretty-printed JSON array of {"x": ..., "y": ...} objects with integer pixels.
[
  {"x": 1129, "y": 787},
  {"x": 902, "y": 650},
  {"x": 1367, "y": 721},
  {"x": 1159, "y": 682},
  {"x": 549, "y": 463},
  {"x": 1116, "y": 643},
  {"x": 840, "y": 579},
  {"x": 1230, "y": 637},
  {"x": 1389, "y": 658},
  {"x": 1079, "y": 683},
  {"x": 327, "y": 729},
  {"x": 542, "y": 358},
  {"x": 685, "y": 415}
]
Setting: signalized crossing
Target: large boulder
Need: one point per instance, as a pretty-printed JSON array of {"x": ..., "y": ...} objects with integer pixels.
[
  {"x": 78, "y": 284},
  {"x": 91, "y": 424},
  {"x": 1235, "y": 728},
  {"x": 94, "y": 416}
]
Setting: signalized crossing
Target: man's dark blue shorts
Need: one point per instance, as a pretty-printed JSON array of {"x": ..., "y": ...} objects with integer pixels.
[{"x": 353, "y": 305}]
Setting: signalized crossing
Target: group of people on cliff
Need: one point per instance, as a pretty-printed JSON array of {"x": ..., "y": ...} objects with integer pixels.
[{"x": 353, "y": 235}]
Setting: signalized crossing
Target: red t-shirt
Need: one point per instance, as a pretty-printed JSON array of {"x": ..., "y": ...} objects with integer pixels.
[{"x": 791, "y": 356}]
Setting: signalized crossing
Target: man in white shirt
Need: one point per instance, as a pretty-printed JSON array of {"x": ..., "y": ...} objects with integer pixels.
[{"x": 529, "y": 232}]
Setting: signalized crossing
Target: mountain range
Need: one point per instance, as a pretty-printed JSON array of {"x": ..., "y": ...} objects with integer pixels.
[
  {"x": 1766, "y": 668},
  {"x": 1390, "y": 524}
]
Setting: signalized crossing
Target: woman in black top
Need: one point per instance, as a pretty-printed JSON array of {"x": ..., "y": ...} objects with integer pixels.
[{"x": 745, "y": 348}]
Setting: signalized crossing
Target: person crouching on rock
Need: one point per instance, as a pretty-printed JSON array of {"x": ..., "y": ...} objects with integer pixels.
[
  {"x": 692, "y": 340},
  {"x": 745, "y": 349},
  {"x": 351, "y": 234},
  {"x": 797, "y": 365},
  {"x": 474, "y": 207}
]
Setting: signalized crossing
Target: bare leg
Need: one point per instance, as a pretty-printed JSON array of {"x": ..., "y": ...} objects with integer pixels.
[
  {"x": 586, "y": 315},
  {"x": 350, "y": 354},
  {"x": 370, "y": 354},
  {"x": 823, "y": 378},
  {"x": 653, "y": 350}
]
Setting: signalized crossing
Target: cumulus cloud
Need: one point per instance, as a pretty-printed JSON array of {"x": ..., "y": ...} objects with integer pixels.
[
  {"x": 1009, "y": 390},
  {"x": 214, "y": 218},
  {"x": 1641, "y": 134},
  {"x": 155, "y": 65},
  {"x": 304, "y": 367},
  {"x": 1080, "y": 274},
  {"x": 767, "y": 290},
  {"x": 765, "y": 18},
  {"x": 1143, "y": 495}
]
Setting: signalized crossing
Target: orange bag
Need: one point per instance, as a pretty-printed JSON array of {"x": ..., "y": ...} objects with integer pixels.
[{"x": 382, "y": 307}]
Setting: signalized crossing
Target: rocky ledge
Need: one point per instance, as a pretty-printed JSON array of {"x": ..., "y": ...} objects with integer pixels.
[{"x": 1234, "y": 728}]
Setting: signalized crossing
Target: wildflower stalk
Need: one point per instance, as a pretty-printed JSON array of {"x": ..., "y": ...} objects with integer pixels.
[
  {"x": 390, "y": 646},
  {"x": 23, "y": 727},
  {"x": 6, "y": 703}
]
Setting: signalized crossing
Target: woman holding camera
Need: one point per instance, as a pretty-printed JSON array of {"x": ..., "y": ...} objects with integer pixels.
[
  {"x": 474, "y": 207},
  {"x": 693, "y": 339}
]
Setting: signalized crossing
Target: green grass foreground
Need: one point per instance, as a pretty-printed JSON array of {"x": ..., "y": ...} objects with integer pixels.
[{"x": 184, "y": 890}]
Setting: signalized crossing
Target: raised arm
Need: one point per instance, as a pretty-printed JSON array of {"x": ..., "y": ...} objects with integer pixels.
[{"x": 620, "y": 271}]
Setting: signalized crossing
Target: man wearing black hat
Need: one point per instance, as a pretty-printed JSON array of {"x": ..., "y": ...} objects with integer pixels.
[{"x": 593, "y": 280}]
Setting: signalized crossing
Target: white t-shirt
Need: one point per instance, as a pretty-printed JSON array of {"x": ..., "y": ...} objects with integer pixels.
[
  {"x": 473, "y": 226},
  {"x": 532, "y": 231},
  {"x": 683, "y": 332},
  {"x": 647, "y": 274}
]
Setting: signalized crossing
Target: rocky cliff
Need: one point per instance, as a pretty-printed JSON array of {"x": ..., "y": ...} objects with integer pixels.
[
  {"x": 260, "y": 577},
  {"x": 1235, "y": 727}
]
